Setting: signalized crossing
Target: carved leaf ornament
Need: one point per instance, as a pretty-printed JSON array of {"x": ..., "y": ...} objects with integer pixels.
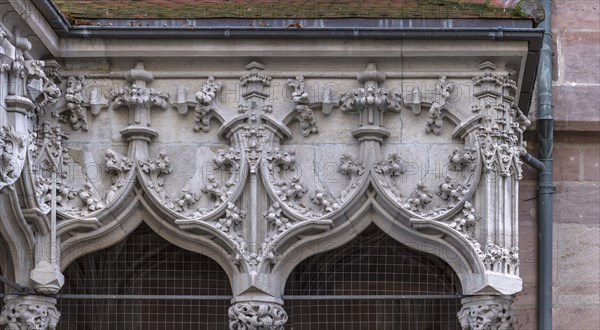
[{"x": 255, "y": 203}]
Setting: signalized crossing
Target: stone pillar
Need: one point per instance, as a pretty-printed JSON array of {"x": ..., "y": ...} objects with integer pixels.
[
  {"x": 255, "y": 315},
  {"x": 29, "y": 312},
  {"x": 487, "y": 313}
]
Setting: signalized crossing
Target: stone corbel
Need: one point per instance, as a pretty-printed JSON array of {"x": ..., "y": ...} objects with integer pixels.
[
  {"x": 29, "y": 312},
  {"x": 487, "y": 313},
  {"x": 412, "y": 100}
]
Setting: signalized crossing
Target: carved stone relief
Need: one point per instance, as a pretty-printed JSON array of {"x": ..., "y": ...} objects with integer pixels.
[
  {"x": 252, "y": 190},
  {"x": 487, "y": 313},
  {"x": 76, "y": 103},
  {"x": 12, "y": 155},
  {"x": 29, "y": 312},
  {"x": 256, "y": 316}
]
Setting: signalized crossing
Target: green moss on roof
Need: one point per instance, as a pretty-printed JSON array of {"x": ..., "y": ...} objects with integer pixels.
[{"x": 82, "y": 12}]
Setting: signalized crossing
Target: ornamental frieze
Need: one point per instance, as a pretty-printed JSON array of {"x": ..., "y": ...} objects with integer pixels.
[{"x": 258, "y": 165}]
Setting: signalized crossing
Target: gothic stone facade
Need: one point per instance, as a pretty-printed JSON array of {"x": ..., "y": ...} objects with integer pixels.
[{"x": 255, "y": 150}]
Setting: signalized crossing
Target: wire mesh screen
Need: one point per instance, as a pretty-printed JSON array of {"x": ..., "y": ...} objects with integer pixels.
[
  {"x": 157, "y": 285},
  {"x": 136, "y": 314},
  {"x": 373, "y": 314},
  {"x": 373, "y": 282}
]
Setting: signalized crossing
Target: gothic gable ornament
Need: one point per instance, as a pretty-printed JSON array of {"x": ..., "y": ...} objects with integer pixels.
[{"x": 273, "y": 166}]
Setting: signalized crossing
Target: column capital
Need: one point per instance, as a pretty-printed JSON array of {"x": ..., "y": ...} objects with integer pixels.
[
  {"x": 29, "y": 312},
  {"x": 487, "y": 313},
  {"x": 255, "y": 315}
]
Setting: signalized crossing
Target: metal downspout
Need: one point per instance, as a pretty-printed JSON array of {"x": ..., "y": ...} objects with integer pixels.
[{"x": 546, "y": 188}]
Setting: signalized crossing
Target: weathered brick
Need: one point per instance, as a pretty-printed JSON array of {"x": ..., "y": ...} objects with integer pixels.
[
  {"x": 577, "y": 202},
  {"x": 591, "y": 164},
  {"x": 577, "y": 103},
  {"x": 567, "y": 162},
  {"x": 580, "y": 56},
  {"x": 575, "y": 14},
  {"x": 579, "y": 318}
]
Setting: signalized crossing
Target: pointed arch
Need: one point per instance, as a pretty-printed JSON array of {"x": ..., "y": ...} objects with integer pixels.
[
  {"x": 373, "y": 279},
  {"x": 154, "y": 281}
]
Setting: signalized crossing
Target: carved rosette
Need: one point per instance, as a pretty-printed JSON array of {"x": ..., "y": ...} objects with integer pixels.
[
  {"x": 487, "y": 313},
  {"x": 29, "y": 312},
  {"x": 256, "y": 315}
]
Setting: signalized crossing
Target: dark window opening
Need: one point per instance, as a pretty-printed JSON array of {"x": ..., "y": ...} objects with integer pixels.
[
  {"x": 158, "y": 286},
  {"x": 373, "y": 282}
]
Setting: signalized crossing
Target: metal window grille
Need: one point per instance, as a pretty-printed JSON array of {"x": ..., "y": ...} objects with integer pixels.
[
  {"x": 373, "y": 282},
  {"x": 144, "y": 282}
]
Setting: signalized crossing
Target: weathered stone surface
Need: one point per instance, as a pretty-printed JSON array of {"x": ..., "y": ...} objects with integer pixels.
[
  {"x": 579, "y": 56},
  {"x": 576, "y": 318},
  {"x": 576, "y": 103},
  {"x": 567, "y": 163},
  {"x": 577, "y": 202},
  {"x": 583, "y": 295},
  {"x": 578, "y": 14},
  {"x": 578, "y": 254},
  {"x": 526, "y": 316},
  {"x": 591, "y": 164},
  {"x": 528, "y": 203}
]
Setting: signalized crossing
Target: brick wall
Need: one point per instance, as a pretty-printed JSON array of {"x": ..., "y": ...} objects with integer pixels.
[{"x": 576, "y": 81}]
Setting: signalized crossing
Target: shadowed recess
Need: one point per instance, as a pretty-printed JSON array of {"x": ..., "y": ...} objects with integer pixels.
[
  {"x": 141, "y": 265},
  {"x": 402, "y": 287}
]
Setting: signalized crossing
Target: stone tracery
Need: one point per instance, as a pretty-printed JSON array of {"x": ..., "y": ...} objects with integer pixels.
[{"x": 261, "y": 182}]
